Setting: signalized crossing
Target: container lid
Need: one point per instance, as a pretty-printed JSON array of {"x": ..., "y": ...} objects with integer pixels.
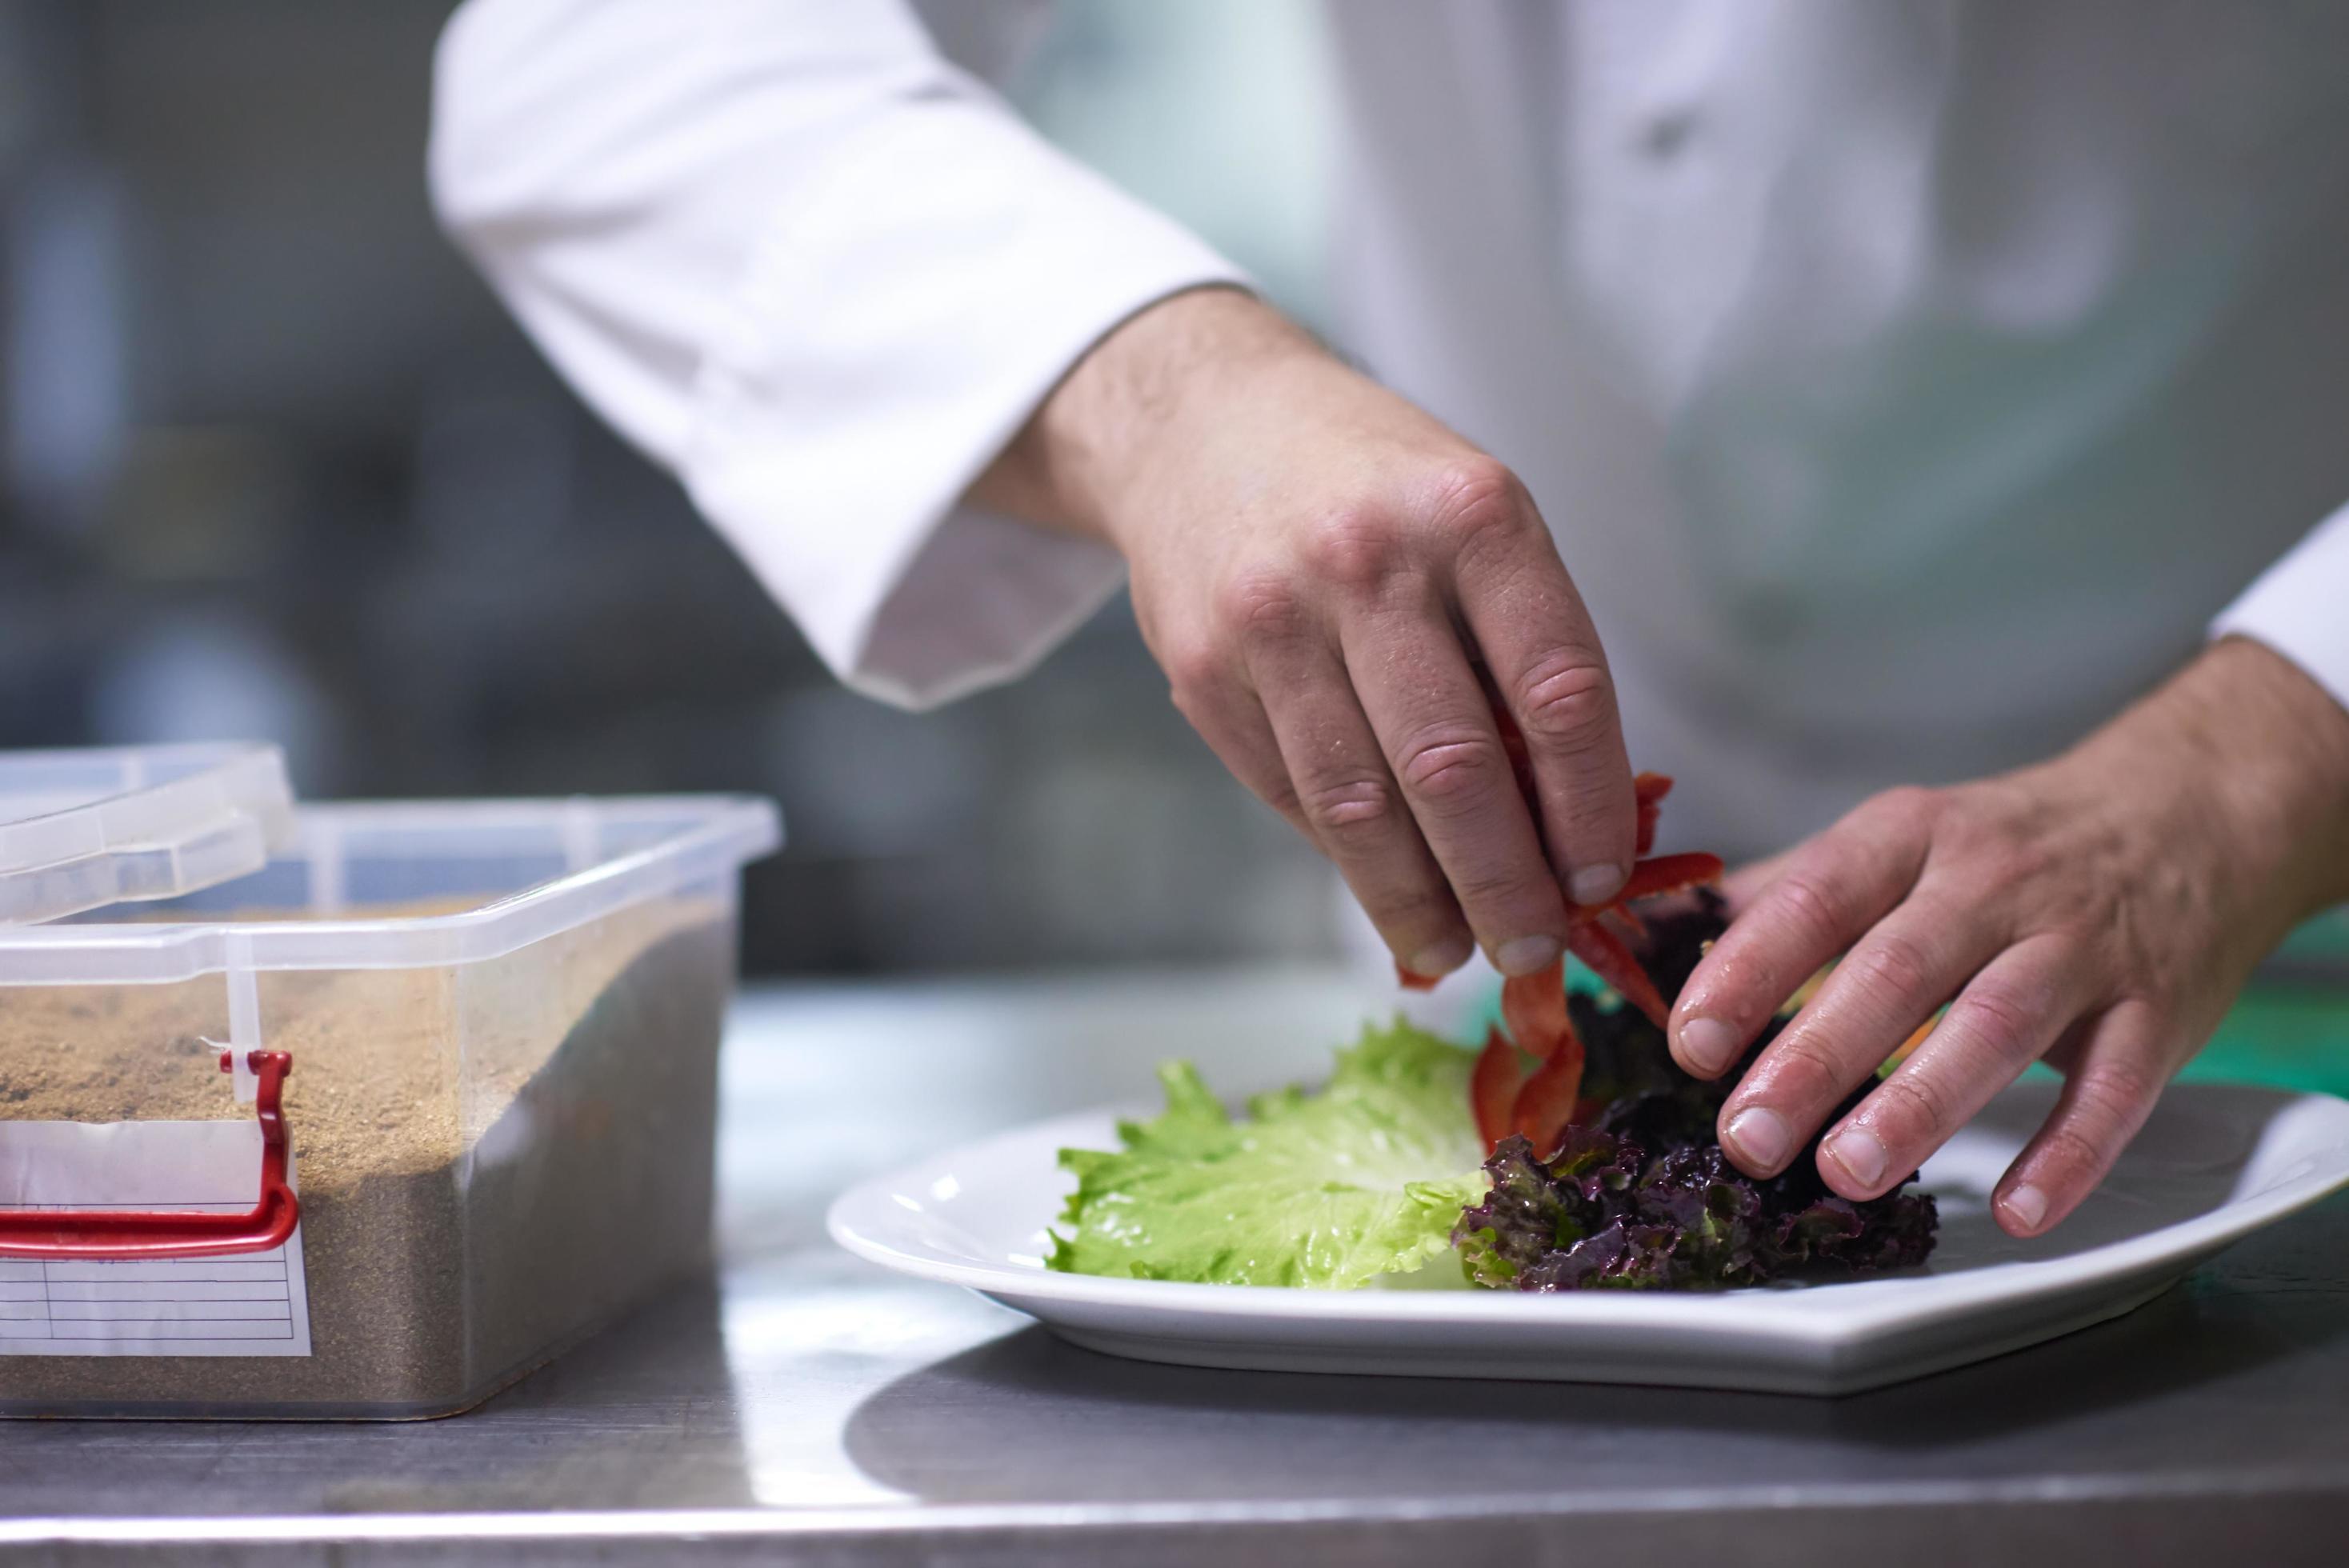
[{"x": 82, "y": 830}]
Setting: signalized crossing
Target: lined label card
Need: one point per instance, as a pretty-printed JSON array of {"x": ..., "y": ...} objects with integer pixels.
[{"x": 246, "y": 1303}]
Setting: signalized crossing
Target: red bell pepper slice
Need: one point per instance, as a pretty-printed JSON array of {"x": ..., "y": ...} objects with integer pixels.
[
  {"x": 1549, "y": 1100},
  {"x": 1533, "y": 1006},
  {"x": 1670, "y": 873},
  {"x": 1410, "y": 980},
  {"x": 1618, "y": 965},
  {"x": 1492, "y": 1088},
  {"x": 1648, "y": 792}
]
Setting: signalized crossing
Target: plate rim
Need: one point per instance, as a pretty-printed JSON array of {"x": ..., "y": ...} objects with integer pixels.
[{"x": 1759, "y": 1313}]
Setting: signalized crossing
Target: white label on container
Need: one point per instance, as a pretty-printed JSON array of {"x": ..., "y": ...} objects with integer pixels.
[{"x": 245, "y": 1303}]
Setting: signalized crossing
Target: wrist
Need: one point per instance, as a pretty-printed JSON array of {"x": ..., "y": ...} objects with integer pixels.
[
  {"x": 2262, "y": 752},
  {"x": 1104, "y": 435}
]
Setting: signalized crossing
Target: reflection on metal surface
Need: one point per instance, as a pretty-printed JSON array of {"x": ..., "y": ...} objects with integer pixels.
[{"x": 804, "y": 1353}]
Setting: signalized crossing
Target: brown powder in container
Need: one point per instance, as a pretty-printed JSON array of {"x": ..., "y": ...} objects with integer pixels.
[{"x": 492, "y": 1159}]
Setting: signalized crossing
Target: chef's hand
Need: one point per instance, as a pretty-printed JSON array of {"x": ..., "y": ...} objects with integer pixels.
[
  {"x": 2100, "y": 911},
  {"x": 1320, "y": 567}
]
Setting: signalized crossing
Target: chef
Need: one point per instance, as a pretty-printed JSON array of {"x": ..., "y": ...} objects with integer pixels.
[{"x": 1921, "y": 426}]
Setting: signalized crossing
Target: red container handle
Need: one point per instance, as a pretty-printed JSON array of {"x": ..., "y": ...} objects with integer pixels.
[{"x": 131, "y": 1234}]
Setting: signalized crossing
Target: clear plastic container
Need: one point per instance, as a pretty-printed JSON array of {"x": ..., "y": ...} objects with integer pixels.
[{"x": 500, "y": 1022}]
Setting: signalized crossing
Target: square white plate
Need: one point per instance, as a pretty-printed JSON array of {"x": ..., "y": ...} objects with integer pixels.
[{"x": 2214, "y": 1164}]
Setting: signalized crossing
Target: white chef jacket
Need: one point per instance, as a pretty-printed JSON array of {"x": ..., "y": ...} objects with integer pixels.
[{"x": 1908, "y": 385}]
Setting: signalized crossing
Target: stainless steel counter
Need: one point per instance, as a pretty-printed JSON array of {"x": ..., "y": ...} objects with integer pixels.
[{"x": 807, "y": 1407}]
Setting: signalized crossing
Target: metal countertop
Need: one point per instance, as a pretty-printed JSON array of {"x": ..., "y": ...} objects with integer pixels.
[{"x": 806, "y": 1407}]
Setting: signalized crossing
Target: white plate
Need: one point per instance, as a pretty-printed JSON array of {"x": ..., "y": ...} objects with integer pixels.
[{"x": 2214, "y": 1164}]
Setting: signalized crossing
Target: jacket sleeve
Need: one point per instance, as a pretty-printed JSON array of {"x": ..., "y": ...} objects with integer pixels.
[
  {"x": 822, "y": 274},
  {"x": 2300, "y": 606}
]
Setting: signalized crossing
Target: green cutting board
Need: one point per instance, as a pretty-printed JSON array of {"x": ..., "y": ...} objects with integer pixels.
[{"x": 2291, "y": 1031}]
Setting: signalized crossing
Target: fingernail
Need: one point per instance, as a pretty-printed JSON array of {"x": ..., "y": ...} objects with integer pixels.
[
  {"x": 2026, "y": 1205},
  {"x": 1707, "y": 1045},
  {"x": 1597, "y": 884},
  {"x": 1441, "y": 959},
  {"x": 1528, "y": 954},
  {"x": 1861, "y": 1154},
  {"x": 1761, "y": 1135}
]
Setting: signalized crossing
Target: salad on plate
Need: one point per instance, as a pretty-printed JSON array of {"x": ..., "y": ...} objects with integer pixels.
[{"x": 1570, "y": 1152}]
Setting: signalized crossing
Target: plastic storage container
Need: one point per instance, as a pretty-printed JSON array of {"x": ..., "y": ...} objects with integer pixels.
[{"x": 486, "y": 1032}]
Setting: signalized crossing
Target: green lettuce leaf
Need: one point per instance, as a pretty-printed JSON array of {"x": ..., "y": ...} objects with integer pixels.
[{"x": 1364, "y": 1178}]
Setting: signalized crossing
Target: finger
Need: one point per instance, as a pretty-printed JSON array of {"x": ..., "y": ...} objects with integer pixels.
[
  {"x": 2064, "y": 1056},
  {"x": 1441, "y": 744},
  {"x": 1229, "y": 716},
  {"x": 1745, "y": 885},
  {"x": 1912, "y": 961},
  {"x": 1743, "y": 888},
  {"x": 2006, "y": 1018},
  {"x": 1537, "y": 640},
  {"x": 1350, "y": 804},
  {"x": 1834, "y": 888},
  {"x": 2107, "y": 1094}
]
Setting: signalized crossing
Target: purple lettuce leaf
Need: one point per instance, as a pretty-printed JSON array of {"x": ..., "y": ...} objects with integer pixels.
[{"x": 1644, "y": 1198}]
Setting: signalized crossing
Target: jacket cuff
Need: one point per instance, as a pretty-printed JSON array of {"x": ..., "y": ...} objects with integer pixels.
[{"x": 2300, "y": 607}]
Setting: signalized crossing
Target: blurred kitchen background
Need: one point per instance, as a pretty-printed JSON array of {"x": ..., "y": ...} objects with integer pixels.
[{"x": 277, "y": 466}]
